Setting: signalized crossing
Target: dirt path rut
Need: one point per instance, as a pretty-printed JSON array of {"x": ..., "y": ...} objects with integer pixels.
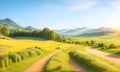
[
  {"x": 75, "y": 67},
  {"x": 39, "y": 65}
]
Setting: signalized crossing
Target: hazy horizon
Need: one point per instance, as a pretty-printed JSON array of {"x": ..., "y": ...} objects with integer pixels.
[{"x": 62, "y": 14}]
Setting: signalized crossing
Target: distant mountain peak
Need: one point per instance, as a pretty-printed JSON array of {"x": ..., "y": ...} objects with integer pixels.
[
  {"x": 9, "y": 22},
  {"x": 29, "y": 28},
  {"x": 7, "y": 19}
]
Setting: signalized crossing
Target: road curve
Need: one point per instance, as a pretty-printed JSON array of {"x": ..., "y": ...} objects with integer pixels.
[
  {"x": 76, "y": 67},
  {"x": 39, "y": 65},
  {"x": 111, "y": 57}
]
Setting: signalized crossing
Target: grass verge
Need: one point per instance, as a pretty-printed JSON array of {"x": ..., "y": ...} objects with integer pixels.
[
  {"x": 21, "y": 66},
  {"x": 58, "y": 63},
  {"x": 93, "y": 63}
]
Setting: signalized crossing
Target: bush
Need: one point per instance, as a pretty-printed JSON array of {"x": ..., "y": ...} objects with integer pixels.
[
  {"x": 15, "y": 57},
  {"x": 4, "y": 61},
  {"x": 23, "y": 54},
  {"x": 37, "y": 51}
]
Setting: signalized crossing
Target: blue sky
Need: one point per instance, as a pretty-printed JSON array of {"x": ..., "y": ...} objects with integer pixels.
[{"x": 60, "y": 14}]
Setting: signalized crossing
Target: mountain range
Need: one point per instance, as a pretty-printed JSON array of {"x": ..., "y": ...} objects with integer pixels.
[{"x": 84, "y": 31}]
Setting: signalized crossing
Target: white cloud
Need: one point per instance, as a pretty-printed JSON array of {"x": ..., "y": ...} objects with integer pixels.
[
  {"x": 115, "y": 4},
  {"x": 81, "y": 4}
]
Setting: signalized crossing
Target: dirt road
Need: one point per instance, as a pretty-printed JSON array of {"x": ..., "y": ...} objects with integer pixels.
[
  {"x": 111, "y": 57},
  {"x": 39, "y": 65},
  {"x": 75, "y": 67}
]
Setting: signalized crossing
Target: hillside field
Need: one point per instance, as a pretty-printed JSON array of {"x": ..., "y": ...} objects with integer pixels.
[
  {"x": 107, "y": 40},
  {"x": 21, "y": 43}
]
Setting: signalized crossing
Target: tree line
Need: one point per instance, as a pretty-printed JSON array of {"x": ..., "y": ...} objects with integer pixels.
[
  {"x": 46, "y": 33},
  {"x": 94, "y": 44},
  {"x": 4, "y": 30}
]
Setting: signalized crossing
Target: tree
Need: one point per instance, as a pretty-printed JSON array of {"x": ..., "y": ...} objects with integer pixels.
[
  {"x": 36, "y": 33},
  {"x": 87, "y": 43},
  {"x": 51, "y": 35},
  {"x": 59, "y": 38},
  {"x": 45, "y": 33},
  {"x": 1, "y": 26},
  {"x": 5, "y": 31},
  {"x": 112, "y": 46}
]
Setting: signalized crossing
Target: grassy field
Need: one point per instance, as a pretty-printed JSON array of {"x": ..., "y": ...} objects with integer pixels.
[
  {"x": 103, "y": 39},
  {"x": 23, "y": 43},
  {"x": 58, "y": 63}
]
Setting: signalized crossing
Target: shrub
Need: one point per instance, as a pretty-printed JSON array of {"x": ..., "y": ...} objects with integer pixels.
[
  {"x": 37, "y": 51},
  {"x": 15, "y": 57},
  {"x": 23, "y": 54},
  {"x": 4, "y": 62}
]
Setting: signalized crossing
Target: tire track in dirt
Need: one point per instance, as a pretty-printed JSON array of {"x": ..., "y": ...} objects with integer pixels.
[
  {"x": 39, "y": 65},
  {"x": 76, "y": 67}
]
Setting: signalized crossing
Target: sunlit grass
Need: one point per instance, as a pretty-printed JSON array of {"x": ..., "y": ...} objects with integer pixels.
[
  {"x": 19, "y": 44},
  {"x": 107, "y": 40},
  {"x": 92, "y": 63},
  {"x": 58, "y": 63}
]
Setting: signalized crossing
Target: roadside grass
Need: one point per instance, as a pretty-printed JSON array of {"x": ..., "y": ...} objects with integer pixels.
[
  {"x": 113, "y": 51},
  {"x": 92, "y": 63},
  {"x": 22, "y": 65},
  {"x": 58, "y": 63}
]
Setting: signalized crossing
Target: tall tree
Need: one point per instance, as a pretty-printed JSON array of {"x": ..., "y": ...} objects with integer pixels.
[
  {"x": 1, "y": 26},
  {"x": 5, "y": 31},
  {"x": 51, "y": 35},
  {"x": 45, "y": 33}
]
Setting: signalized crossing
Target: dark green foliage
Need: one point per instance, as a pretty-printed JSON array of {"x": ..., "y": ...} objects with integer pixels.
[
  {"x": 100, "y": 45},
  {"x": 112, "y": 46},
  {"x": 59, "y": 38},
  {"x": 1, "y": 26},
  {"x": 94, "y": 44},
  {"x": 5, "y": 31},
  {"x": 46, "y": 33},
  {"x": 51, "y": 35}
]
